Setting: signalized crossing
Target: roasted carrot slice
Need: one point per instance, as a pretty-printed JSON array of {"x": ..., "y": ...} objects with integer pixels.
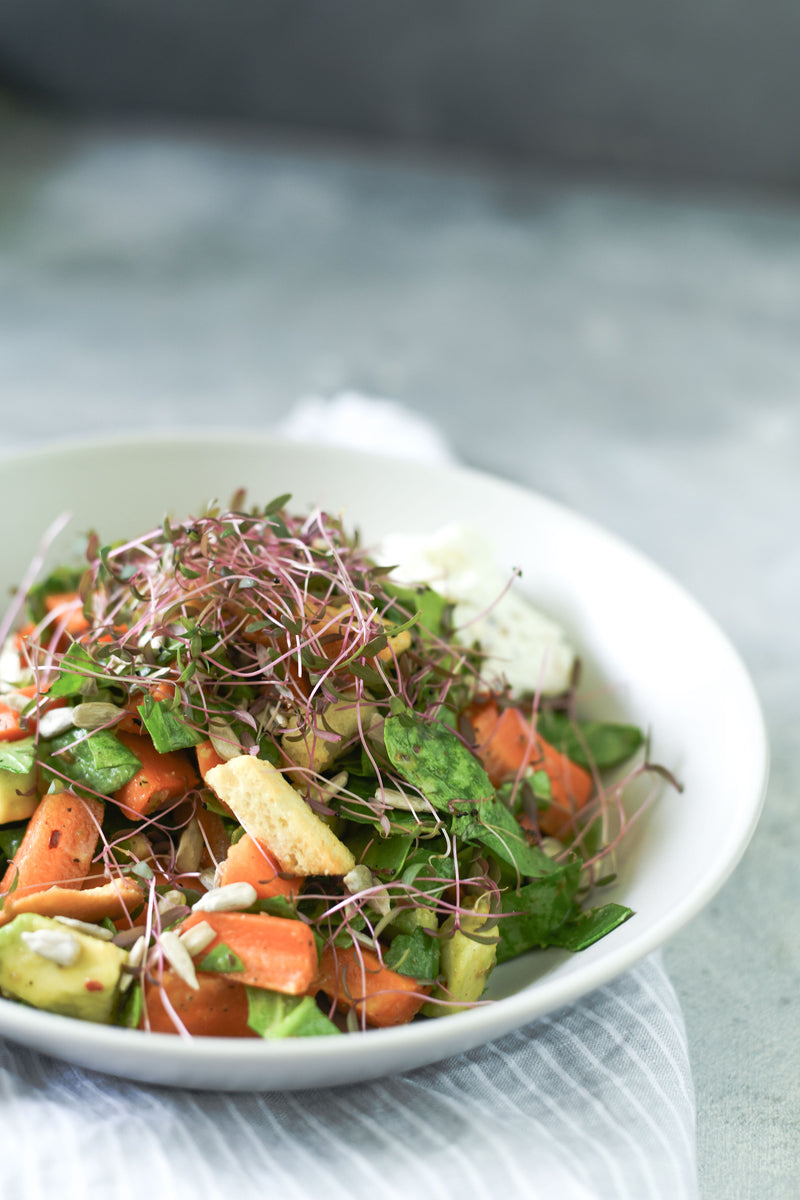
[
  {"x": 216, "y": 1008},
  {"x": 116, "y": 899},
  {"x": 277, "y": 953},
  {"x": 10, "y": 725},
  {"x": 13, "y": 726},
  {"x": 207, "y": 758},
  {"x": 69, "y": 609},
  {"x": 505, "y": 744},
  {"x": 161, "y": 777},
  {"x": 57, "y": 848},
  {"x": 357, "y": 979},
  {"x": 249, "y": 861}
]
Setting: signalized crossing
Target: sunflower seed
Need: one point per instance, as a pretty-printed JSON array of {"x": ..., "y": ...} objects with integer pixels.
[
  {"x": 54, "y": 722},
  {"x": 229, "y": 898},
  {"x": 178, "y": 957},
  {"x": 95, "y": 931},
  {"x": 190, "y": 848},
  {"x": 358, "y": 879},
  {"x": 223, "y": 739},
  {"x": 196, "y": 939},
  {"x": 94, "y": 713},
  {"x": 171, "y": 899}
]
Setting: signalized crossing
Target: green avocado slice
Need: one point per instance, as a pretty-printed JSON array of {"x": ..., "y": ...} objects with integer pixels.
[{"x": 88, "y": 989}]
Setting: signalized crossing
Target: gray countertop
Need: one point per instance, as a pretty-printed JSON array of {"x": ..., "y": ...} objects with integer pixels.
[{"x": 632, "y": 353}]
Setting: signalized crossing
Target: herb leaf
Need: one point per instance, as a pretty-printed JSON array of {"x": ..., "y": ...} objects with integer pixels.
[
  {"x": 490, "y": 824},
  {"x": 429, "y": 756},
  {"x": 98, "y": 760},
  {"x": 415, "y": 954},
  {"x": 18, "y": 757},
  {"x": 167, "y": 730},
  {"x": 78, "y": 673},
  {"x": 590, "y": 743},
  {"x": 588, "y": 927},
  {"x": 221, "y": 958},
  {"x": 273, "y": 1015},
  {"x": 536, "y": 910}
]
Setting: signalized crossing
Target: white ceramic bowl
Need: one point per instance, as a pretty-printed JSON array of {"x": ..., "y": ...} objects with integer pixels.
[{"x": 650, "y": 653}]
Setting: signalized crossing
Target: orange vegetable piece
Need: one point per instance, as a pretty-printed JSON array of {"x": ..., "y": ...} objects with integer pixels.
[
  {"x": 505, "y": 744},
  {"x": 57, "y": 848},
  {"x": 161, "y": 777},
  {"x": 249, "y": 861},
  {"x": 12, "y": 725},
  {"x": 115, "y": 899},
  {"x": 278, "y": 953},
  {"x": 216, "y": 1008},
  {"x": 207, "y": 758},
  {"x": 70, "y": 606},
  {"x": 382, "y": 996}
]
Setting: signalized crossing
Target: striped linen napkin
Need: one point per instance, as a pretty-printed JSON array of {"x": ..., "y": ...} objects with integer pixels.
[{"x": 594, "y": 1102}]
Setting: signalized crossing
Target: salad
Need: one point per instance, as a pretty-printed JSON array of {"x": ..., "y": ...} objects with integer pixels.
[{"x": 257, "y": 781}]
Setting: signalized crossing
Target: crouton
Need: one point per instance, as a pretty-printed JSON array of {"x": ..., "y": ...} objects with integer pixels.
[{"x": 272, "y": 812}]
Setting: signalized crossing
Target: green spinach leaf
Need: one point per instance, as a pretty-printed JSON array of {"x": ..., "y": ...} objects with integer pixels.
[
  {"x": 588, "y": 927},
  {"x": 98, "y": 760},
  {"x": 430, "y": 757},
  {"x": 166, "y": 729},
  {"x": 18, "y": 757},
  {"x": 272, "y": 1015},
  {"x": 415, "y": 954},
  {"x": 535, "y": 910},
  {"x": 491, "y": 825},
  {"x": 78, "y": 674},
  {"x": 221, "y": 958},
  {"x": 600, "y": 743}
]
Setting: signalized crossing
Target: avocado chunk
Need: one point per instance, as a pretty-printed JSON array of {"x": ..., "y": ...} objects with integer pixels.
[
  {"x": 18, "y": 795},
  {"x": 466, "y": 964},
  {"x": 87, "y": 988}
]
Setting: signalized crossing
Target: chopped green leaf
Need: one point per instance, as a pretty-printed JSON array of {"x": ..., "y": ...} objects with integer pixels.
[
  {"x": 415, "y": 954},
  {"x": 535, "y": 910},
  {"x": 430, "y": 757},
  {"x": 601, "y": 744},
  {"x": 490, "y": 824},
  {"x": 588, "y": 927},
  {"x": 221, "y": 958},
  {"x": 78, "y": 674},
  {"x": 386, "y": 854},
  {"x": 18, "y": 757},
  {"x": 11, "y": 839},
  {"x": 130, "y": 1010},
  {"x": 98, "y": 759},
  {"x": 427, "y": 604},
  {"x": 166, "y": 729},
  {"x": 273, "y": 1015}
]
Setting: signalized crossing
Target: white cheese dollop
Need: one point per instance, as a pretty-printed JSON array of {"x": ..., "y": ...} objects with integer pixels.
[{"x": 523, "y": 646}]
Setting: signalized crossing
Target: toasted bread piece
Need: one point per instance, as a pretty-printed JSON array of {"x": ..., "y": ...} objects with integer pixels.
[{"x": 272, "y": 812}]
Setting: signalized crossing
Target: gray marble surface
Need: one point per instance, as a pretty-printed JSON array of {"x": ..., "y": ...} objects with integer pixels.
[{"x": 632, "y": 353}]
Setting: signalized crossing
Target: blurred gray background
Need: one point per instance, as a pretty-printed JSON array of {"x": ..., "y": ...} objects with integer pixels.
[
  {"x": 567, "y": 232},
  {"x": 691, "y": 89}
]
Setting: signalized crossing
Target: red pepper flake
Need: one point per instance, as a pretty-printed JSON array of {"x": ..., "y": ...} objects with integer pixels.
[
  {"x": 55, "y": 838},
  {"x": 93, "y": 985}
]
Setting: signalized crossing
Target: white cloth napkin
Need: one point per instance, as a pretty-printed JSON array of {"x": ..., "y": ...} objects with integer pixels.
[{"x": 594, "y": 1102}]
